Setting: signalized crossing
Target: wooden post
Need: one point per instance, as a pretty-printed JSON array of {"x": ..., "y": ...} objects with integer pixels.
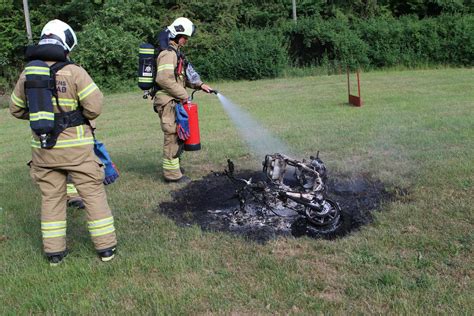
[
  {"x": 27, "y": 21},
  {"x": 354, "y": 100}
]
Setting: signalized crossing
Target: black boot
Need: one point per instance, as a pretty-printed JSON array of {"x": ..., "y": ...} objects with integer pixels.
[
  {"x": 57, "y": 258},
  {"x": 107, "y": 254}
]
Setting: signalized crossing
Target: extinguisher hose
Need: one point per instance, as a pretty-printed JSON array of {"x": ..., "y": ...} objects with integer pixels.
[{"x": 192, "y": 94}]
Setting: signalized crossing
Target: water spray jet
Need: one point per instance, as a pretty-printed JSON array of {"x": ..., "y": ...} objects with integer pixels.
[{"x": 260, "y": 140}]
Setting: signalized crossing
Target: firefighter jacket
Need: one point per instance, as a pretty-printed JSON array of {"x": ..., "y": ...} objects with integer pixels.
[
  {"x": 172, "y": 84},
  {"x": 76, "y": 90}
]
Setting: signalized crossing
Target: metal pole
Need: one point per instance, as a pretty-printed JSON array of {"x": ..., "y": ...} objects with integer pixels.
[
  {"x": 294, "y": 10},
  {"x": 27, "y": 21}
]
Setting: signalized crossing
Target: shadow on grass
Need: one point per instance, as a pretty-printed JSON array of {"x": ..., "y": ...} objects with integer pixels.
[
  {"x": 145, "y": 166},
  {"x": 19, "y": 200}
]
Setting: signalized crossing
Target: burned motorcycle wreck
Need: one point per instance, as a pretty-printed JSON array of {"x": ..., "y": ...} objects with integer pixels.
[
  {"x": 294, "y": 190},
  {"x": 290, "y": 197}
]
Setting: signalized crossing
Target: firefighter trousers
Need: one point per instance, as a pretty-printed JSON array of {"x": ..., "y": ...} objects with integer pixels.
[
  {"x": 87, "y": 178},
  {"x": 171, "y": 143},
  {"x": 71, "y": 189}
]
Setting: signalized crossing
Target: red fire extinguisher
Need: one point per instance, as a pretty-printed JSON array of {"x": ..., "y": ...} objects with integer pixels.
[{"x": 194, "y": 140}]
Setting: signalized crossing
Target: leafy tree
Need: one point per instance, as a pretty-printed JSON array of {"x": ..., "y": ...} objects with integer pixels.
[{"x": 369, "y": 33}]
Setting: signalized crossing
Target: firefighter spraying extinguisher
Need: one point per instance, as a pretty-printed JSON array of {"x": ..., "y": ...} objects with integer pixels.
[{"x": 172, "y": 74}]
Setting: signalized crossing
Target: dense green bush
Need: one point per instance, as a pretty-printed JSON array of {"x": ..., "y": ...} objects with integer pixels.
[
  {"x": 314, "y": 41},
  {"x": 13, "y": 41},
  {"x": 251, "y": 39},
  {"x": 108, "y": 54},
  {"x": 382, "y": 41},
  {"x": 245, "y": 54},
  {"x": 411, "y": 42}
]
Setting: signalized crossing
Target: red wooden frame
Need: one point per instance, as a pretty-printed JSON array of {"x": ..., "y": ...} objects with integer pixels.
[{"x": 355, "y": 100}]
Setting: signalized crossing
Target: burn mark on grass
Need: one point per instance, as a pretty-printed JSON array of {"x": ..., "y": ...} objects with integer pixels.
[{"x": 211, "y": 203}]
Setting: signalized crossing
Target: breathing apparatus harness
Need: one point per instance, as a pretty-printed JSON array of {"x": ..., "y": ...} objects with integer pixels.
[
  {"x": 40, "y": 88},
  {"x": 147, "y": 67}
]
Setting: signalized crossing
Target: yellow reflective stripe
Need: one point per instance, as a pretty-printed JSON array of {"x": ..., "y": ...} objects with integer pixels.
[
  {"x": 17, "y": 101},
  {"x": 54, "y": 233},
  {"x": 171, "y": 164},
  {"x": 87, "y": 90},
  {"x": 36, "y": 70},
  {"x": 53, "y": 225},
  {"x": 41, "y": 116},
  {"x": 80, "y": 132},
  {"x": 71, "y": 189},
  {"x": 101, "y": 227},
  {"x": 145, "y": 79},
  {"x": 166, "y": 67},
  {"x": 102, "y": 231},
  {"x": 67, "y": 143},
  {"x": 150, "y": 51},
  {"x": 53, "y": 229},
  {"x": 66, "y": 102},
  {"x": 100, "y": 223}
]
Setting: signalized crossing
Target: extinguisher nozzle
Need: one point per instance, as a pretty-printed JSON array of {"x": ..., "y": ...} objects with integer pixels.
[{"x": 215, "y": 92}]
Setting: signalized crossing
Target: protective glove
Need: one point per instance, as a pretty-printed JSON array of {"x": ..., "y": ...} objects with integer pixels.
[
  {"x": 111, "y": 174},
  {"x": 182, "y": 122},
  {"x": 111, "y": 171}
]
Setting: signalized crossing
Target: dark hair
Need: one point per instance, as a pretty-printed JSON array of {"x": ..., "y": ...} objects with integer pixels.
[{"x": 177, "y": 37}]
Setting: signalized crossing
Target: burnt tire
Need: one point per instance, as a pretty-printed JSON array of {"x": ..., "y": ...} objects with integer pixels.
[{"x": 302, "y": 227}]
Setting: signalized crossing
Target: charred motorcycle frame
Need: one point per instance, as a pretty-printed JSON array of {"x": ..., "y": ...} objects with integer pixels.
[{"x": 304, "y": 193}]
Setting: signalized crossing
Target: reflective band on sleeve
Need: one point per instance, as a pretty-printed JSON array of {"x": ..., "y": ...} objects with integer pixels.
[
  {"x": 87, "y": 90},
  {"x": 145, "y": 79},
  {"x": 147, "y": 51},
  {"x": 35, "y": 70},
  {"x": 17, "y": 101},
  {"x": 101, "y": 227},
  {"x": 41, "y": 116},
  {"x": 166, "y": 67},
  {"x": 71, "y": 189},
  {"x": 171, "y": 164},
  {"x": 65, "y": 143}
]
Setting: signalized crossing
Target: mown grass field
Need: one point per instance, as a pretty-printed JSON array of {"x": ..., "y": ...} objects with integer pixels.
[{"x": 415, "y": 131}]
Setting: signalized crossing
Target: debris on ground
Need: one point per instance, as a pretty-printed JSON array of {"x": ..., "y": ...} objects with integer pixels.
[{"x": 290, "y": 197}]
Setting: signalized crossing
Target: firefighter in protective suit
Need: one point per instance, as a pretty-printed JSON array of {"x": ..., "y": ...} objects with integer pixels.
[
  {"x": 73, "y": 153},
  {"x": 172, "y": 81}
]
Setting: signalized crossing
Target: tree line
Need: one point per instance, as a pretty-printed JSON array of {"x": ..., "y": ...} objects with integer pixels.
[{"x": 249, "y": 39}]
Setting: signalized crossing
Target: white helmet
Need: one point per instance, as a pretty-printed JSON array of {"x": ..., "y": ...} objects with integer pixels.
[
  {"x": 182, "y": 26},
  {"x": 59, "y": 33}
]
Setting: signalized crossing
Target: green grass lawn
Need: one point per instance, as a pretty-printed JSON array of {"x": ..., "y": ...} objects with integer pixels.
[{"x": 415, "y": 131}]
